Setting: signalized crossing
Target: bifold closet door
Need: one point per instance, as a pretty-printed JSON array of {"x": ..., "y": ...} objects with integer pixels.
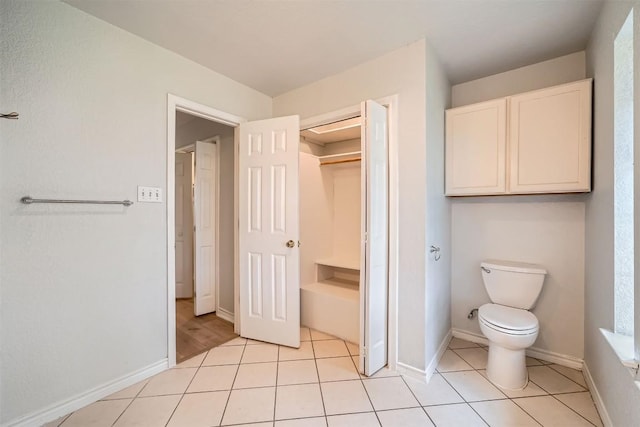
[
  {"x": 374, "y": 259},
  {"x": 269, "y": 230},
  {"x": 205, "y": 200}
]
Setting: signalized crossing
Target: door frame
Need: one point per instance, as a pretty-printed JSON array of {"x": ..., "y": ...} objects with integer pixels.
[
  {"x": 176, "y": 103},
  {"x": 391, "y": 102}
]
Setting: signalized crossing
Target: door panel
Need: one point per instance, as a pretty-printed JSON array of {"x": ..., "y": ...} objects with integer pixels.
[
  {"x": 268, "y": 214},
  {"x": 374, "y": 259},
  {"x": 205, "y": 199}
]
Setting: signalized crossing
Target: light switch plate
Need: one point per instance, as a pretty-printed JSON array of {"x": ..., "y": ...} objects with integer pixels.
[{"x": 149, "y": 194}]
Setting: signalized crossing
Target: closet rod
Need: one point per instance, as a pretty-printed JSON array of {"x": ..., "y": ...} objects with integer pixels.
[
  {"x": 333, "y": 162},
  {"x": 27, "y": 200}
]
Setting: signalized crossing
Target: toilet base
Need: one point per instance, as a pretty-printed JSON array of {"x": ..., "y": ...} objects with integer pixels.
[{"x": 507, "y": 368}]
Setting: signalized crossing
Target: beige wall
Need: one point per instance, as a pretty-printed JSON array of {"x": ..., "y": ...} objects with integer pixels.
[
  {"x": 84, "y": 288},
  {"x": 548, "y": 230},
  {"x": 400, "y": 72},
  {"x": 613, "y": 382}
]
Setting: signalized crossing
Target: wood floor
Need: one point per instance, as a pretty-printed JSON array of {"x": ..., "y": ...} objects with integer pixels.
[{"x": 197, "y": 334}]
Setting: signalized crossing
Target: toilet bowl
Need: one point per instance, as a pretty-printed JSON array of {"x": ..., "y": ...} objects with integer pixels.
[
  {"x": 510, "y": 327},
  {"x": 510, "y": 332}
]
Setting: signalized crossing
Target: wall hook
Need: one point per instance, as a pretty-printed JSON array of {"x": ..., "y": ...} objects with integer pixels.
[{"x": 436, "y": 251}]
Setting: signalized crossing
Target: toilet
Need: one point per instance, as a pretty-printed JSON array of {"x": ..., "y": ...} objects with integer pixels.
[{"x": 506, "y": 321}]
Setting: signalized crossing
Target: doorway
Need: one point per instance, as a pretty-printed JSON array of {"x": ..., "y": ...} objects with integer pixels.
[
  {"x": 204, "y": 241},
  {"x": 180, "y": 104}
]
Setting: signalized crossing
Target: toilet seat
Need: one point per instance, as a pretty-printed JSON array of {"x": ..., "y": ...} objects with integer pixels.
[{"x": 508, "y": 320}]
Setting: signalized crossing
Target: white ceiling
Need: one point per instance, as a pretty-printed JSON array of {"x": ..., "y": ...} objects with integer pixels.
[{"x": 278, "y": 45}]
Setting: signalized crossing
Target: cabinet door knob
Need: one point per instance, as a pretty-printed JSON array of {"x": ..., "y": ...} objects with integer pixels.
[{"x": 291, "y": 244}]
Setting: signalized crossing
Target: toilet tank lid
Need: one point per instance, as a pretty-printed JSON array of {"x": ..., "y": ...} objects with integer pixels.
[{"x": 518, "y": 267}]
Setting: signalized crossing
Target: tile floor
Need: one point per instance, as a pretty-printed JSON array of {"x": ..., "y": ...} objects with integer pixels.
[{"x": 250, "y": 383}]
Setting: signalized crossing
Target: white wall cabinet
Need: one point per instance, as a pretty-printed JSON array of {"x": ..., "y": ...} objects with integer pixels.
[
  {"x": 475, "y": 149},
  {"x": 535, "y": 142}
]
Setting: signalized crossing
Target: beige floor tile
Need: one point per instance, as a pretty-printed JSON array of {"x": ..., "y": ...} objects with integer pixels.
[
  {"x": 354, "y": 349},
  {"x": 299, "y": 401},
  {"x": 297, "y": 372},
  {"x": 172, "y": 381},
  {"x": 98, "y": 414},
  {"x": 336, "y": 369},
  {"x": 456, "y": 343},
  {"x": 149, "y": 411},
  {"x": 330, "y": 348},
  {"x": 573, "y": 374},
  {"x": 367, "y": 419},
  {"x": 530, "y": 361},
  {"x": 345, "y": 397},
  {"x": 265, "y": 424},
  {"x": 224, "y": 355},
  {"x": 200, "y": 410},
  {"x": 413, "y": 417},
  {"x": 476, "y": 357},
  {"x": 260, "y": 353},
  {"x": 382, "y": 373},
  {"x": 317, "y": 336},
  {"x": 552, "y": 381},
  {"x": 305, "y": 334},
  {"x": 550, "y": 412},
  {"x": 472, "y": 386},
  {"x": 57, "y": 422},
  {"x": 129, "y": 392},
  {"x": 530, "y": 390},
  {"x": 213, "y": 378},
  {"x": 250, "y": 405},
  {"x": 503, "y": 413},
  {"x": 304, "y": 352},
  {"x": 452, "y": 362},
  {"x": 389, "y": 393},
  {"x": 256, "y": 375},
  {"x": 194, "y": 362},
  {"x": 236, "y": 341},
  {"x": 303, "y": 422},
  {"x": 437, "y": 392},
  {"x": 455, "y": 415},
  {"x": 583, "y": 404}
]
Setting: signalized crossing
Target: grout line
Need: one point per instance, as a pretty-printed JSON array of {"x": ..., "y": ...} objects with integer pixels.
[
  {"x": 275, "y": 390},
  {"x": 570, "y": 408},
  {"x": 185, "y": 390},
  {"x": 525, "y": 411},
  {"x": 570, "y": 379},
  {"x": 226, "y": 404}
]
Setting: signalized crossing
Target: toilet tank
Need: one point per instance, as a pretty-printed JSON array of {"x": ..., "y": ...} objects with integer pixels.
[{"x": 515, "y": 284}]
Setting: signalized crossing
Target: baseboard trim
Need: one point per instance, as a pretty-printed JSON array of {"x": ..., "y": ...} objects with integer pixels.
[
  {"x": 225, "y": 315},
  {"x": 431, "y": 367},
  {"x": 426, "y": 374},
  {"x": 538, "y": 353},
  {"x": 59, "y": 409},
  {"x": 410, "y": 371},
  {"x": 602, "y": 410}
]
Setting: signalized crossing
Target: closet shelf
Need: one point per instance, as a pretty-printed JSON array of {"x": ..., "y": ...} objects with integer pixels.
[
  {"x": 331, "y": 159},
  {"x": 340, "y": 263}
]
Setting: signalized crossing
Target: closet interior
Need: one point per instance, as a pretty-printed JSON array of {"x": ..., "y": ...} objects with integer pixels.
[{"x": 330, "y": 228}]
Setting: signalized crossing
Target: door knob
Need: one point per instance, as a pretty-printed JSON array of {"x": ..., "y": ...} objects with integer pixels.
[{"x": 291, "y": 244}]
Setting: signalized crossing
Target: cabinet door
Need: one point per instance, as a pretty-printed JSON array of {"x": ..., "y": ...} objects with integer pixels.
[
  {"x": 550, "y": 140},
  {"x": 475, "y": 149}
]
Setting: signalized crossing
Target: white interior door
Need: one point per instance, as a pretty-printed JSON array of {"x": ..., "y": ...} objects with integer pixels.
[
  {"x": 204, "y": 202},
  {"x": 269, "y": 231},
  {"x": 374, "y": 259},
  {"x": 184, "y": 226}
]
